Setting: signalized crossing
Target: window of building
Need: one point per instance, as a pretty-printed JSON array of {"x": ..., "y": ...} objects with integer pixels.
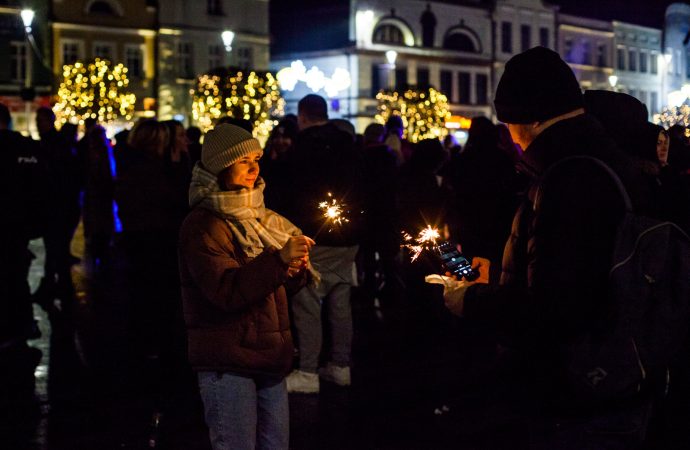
[
  {"x": 677, "y": 62},
  {"x": 378, "y": 78},
  {"x": 215, "y": 56},
  {"x": 447, "y": 84},
  {"x": 642, "y": 96},
  {"x": 632, "y": 60},
  {"x": 544, "y": 37},
  {"x": 568, "y": 49},
  {"x": 586, "y": 52},
  {"x": 620, "y": 58},
  {"x": 422, "y": 77},
  {"x": 103, "y": 8},
  {"x": 644, "y": 57},
  {"x": 669, "y": 63},
  {"x": 185, "y": 60},
  {"x": 464, "y": 80},
  {"x": 632, "y": 93},
  {"x": 71, "y": 52},
  {"x": 214, "y": 7},
  {"x": 401, "y": 78},
  {"x": 243, "y": 57},
  {"x": 653, "y": 102},
  {"x": 17, "y": 61},
  {"x": 654, "y": 63},
  {"x": 459, "y": 41},
  {"x": 525, "y": 37},
  {"x": 507, "y": 37},
  {"x": 601, "y": 55},
  {"x": 482, "y": 88},
  {"x": 104, "y": 50},
  {"x": 134, "y": 61},
  {"x": 388, "y": 34},
  {"x": 687, "y": 64}
]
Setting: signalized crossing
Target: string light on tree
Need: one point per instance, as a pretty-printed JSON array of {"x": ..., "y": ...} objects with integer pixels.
[
  {"x": 673, "y": 115},
  {"x": 252, "y": 96},
  {"x": 423, "y": 111},
  {"x": 96, "y": 90}
]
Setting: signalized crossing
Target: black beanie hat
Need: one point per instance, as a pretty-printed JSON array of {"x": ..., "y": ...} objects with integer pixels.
[{"x": 536, "y": 85}]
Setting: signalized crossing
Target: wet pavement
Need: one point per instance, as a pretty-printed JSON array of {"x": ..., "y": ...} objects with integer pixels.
[{"x": 419, "y": 382}]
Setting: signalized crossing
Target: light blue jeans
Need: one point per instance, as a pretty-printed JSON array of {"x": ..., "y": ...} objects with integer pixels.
[{"x": 245, "y": 413}]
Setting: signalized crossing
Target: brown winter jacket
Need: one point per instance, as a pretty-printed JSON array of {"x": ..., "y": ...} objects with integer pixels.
[{"x": 235, "y": 308}]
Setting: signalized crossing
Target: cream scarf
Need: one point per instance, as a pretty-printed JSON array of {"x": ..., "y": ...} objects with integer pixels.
[{"x": 253, "y": 225}]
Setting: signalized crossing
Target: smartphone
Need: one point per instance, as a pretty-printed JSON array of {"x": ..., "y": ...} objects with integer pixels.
[{"x": 454, "y": 262}]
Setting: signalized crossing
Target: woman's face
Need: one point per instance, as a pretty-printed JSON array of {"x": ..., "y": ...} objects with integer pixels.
[
  {"x": 243, "y": 173},
  {"x": 662, "y": 145},
  {"x": 281, "y": 143},
  {"x": 181, "y": 141}
]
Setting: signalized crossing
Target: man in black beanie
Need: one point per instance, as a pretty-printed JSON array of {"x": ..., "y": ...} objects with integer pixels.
[{"x": 553, "y": 286}]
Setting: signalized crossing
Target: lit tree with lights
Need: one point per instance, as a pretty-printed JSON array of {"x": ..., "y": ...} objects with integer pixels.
[
  {"x": 249, "y": 95},
  {"x": 673, "y": 115},
  {"x": 95, "y": 90},
  {"x": 423, "y": 111}
]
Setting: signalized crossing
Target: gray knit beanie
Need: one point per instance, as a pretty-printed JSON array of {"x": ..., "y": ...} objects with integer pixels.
[{"x": 225, "y": 145}]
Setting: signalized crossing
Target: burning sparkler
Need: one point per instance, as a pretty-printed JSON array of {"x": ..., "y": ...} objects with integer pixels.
[
  {"x": 425, "y": 240},
  {"x": 333, "y": 212}
]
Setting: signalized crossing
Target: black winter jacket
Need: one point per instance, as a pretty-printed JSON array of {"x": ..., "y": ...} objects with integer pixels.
[{"x": 556, "y": 262}]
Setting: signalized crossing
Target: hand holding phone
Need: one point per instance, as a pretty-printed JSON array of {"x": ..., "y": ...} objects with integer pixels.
[{"x": 454, "y": 262}]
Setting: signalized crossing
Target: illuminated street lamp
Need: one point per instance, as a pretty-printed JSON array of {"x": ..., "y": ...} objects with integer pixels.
[
  {"x": 228, "y": 37},
  {"x": 613, "y": 81},
  {"x": 391, "y": 56},
  {"x": 27, "y": 18}
]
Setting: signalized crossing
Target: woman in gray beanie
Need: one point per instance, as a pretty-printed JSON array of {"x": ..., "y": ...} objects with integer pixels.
[{"x": 237, "y": 259}]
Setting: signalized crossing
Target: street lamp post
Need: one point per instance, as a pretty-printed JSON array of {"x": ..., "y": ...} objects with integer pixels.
[
  {"x": 228, "y": 37},
  {"x": 613, "y": 81},
  {"x": 27, "y": 18},
  {"x": 391, "y": 56}
]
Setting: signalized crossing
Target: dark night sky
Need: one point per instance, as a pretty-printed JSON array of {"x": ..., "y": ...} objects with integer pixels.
[{"x": 641, "y": 12}]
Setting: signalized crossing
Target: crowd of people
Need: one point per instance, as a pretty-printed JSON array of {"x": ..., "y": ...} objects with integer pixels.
[{"x": 230, "y": 259}]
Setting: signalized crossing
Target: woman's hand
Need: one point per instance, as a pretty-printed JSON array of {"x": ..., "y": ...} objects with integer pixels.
[{"x": 296, "y": 248}]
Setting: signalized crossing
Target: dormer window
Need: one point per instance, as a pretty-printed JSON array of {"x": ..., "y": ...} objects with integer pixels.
[
  {"x": 102, "y": 8},
  {"x": 388, "y": 34}
]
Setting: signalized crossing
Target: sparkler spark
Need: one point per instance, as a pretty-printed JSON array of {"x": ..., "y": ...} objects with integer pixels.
[
  {"x": 425, "y": 240},
  {"x": 333, "y": 211}
]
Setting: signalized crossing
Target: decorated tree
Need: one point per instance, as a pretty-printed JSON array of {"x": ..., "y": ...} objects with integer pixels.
[
  {"x": 423, "y": 111},
  {"x": 95, "y": 90},
  {"x": 252, "y": 96},
  {"x": 673, "y": 115}
]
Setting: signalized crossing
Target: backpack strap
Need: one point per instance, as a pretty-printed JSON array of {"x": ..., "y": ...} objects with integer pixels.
[{"x": 614, "y": 177}]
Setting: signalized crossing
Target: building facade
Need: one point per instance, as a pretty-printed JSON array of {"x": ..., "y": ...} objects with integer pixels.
[
  {"x": 121, "y": 31},
  {"x": 461, "y": 48},
  {"x": 25, "y": 77},
  {"x": 587, "y": 46},
  {"x": 444, "y": 45},
  {"x": 191, "y": 44},
  {"x": 639, "y": 64}
]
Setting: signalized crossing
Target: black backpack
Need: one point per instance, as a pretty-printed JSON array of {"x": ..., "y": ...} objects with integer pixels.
[{"x": 649, "y": 286}]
